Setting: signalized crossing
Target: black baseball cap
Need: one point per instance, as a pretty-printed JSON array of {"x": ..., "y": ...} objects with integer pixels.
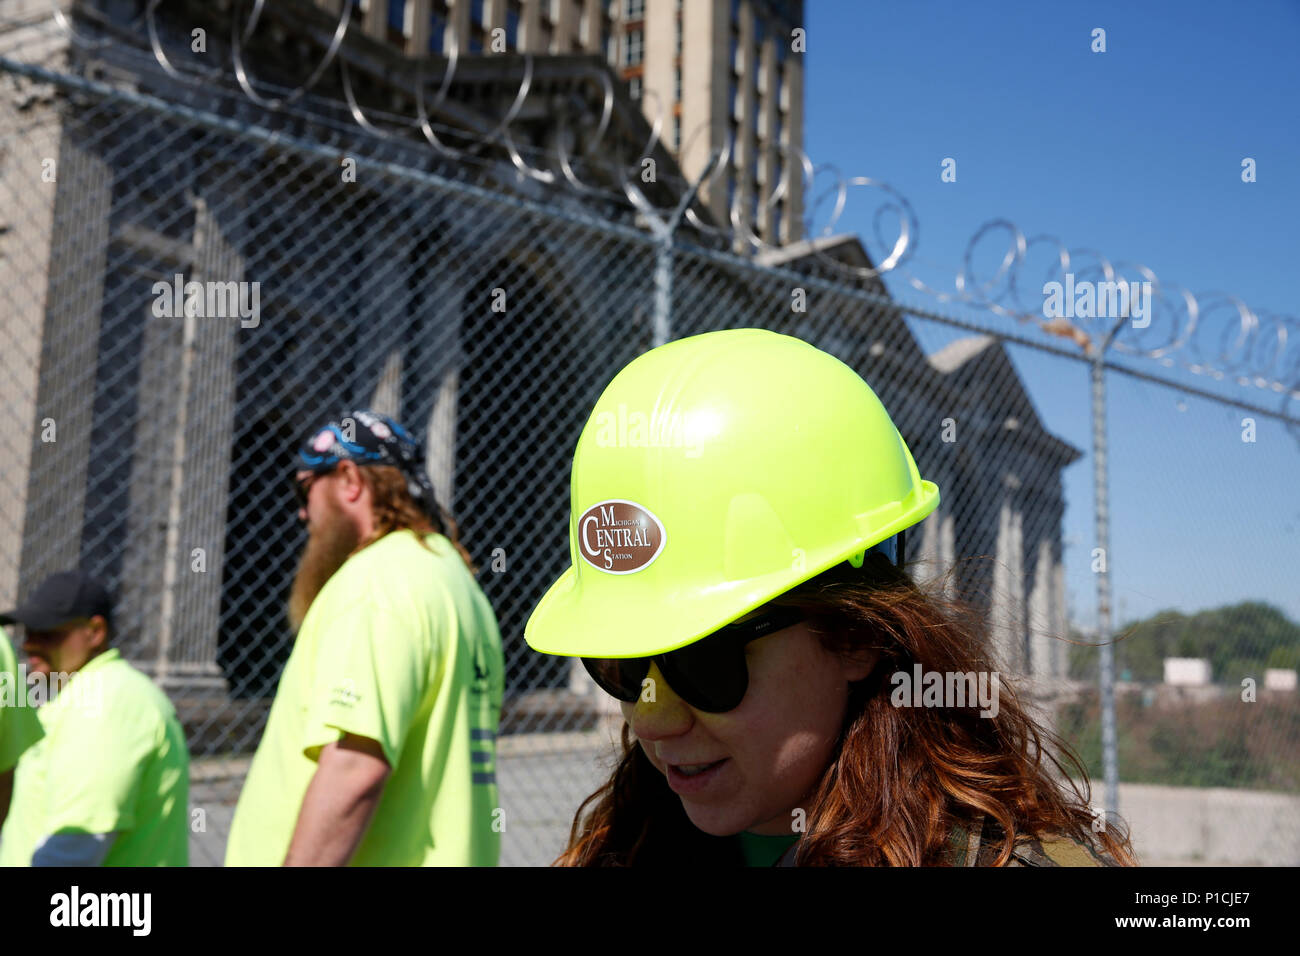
[{"x": 60, "y": 598}]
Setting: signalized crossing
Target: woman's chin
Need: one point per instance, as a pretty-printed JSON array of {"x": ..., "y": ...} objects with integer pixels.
[{"x": 714, "y": 822}]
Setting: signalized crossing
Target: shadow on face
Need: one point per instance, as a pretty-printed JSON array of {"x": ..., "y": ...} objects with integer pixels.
[{"x": 65, "y": 649}]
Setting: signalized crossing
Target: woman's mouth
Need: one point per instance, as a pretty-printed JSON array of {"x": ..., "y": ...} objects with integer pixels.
[{"x": 693, "y": 777}]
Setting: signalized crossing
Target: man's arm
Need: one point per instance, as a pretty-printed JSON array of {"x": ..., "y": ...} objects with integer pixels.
[
  {"x": 74, "y": 849},
  {"x": 6, "y": 793},
  {"x": 339, "y": 802}
]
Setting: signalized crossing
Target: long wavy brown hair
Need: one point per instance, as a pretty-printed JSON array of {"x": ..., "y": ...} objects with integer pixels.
[
  {"x": 901, "y": 778},
  {"x": 394, "y": 509}
]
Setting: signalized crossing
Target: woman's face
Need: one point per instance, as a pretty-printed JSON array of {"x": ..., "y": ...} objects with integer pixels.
[{"x": 769, "y": 753}]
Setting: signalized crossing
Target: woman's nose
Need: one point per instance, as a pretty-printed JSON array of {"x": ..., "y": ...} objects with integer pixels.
[{"x": 658, "y": 712}]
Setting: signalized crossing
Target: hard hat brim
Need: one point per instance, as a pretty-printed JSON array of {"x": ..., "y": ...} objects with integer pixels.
[{"x": 571, "y": 622}]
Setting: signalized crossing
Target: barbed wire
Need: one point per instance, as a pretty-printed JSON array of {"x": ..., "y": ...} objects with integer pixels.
[{"x": 1254, "y": 348}]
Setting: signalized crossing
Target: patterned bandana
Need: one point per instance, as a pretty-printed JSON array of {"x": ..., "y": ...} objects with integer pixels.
[{"x": 369, "y": 438}]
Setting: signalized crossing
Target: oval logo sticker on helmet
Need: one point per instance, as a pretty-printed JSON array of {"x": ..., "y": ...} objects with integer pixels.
[{"x": 620, "y": 537}]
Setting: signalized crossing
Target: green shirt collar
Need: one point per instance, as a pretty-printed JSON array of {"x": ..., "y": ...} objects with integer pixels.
[{"x": 762, "y": 850}]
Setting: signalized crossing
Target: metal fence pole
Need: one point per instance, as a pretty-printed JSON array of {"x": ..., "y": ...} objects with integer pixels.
[
  {"x": 663, "y": 318},
  {"x": 663, "y": 230},
  {"x": 1109, "y": 739},
  {"x": 1101, "y": 495}
]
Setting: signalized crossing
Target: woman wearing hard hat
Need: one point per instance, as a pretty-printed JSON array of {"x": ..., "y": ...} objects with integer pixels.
[{"x": 738, "y": 501}]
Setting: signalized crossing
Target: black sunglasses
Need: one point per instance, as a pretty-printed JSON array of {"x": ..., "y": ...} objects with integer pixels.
[
  {"x": 301, "y": 489},
  {"x": 709, "y": 674}
]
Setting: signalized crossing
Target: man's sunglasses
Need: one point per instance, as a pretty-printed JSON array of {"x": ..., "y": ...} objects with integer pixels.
[
  {"x": 301, "y": 489},
  {"x": 709, "y": 674}
]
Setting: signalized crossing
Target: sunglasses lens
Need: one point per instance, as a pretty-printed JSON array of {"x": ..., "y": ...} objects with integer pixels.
[
  {"x": 710, "y": 674},
  {"x": 620, "y": 678}
]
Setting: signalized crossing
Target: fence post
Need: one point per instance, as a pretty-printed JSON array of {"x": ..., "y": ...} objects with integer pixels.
[
  {"x": 664, "y": 230},
  {"x": 1109, "y": 739},
  {"x": 663, "y": 318},
  {"x": 1101, "y": 497}
]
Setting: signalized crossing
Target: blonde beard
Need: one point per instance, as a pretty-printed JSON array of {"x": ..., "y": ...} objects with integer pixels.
[{"x": 330, "y": 544}]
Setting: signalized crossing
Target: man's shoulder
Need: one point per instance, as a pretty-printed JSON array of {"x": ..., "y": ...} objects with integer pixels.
[
  {"x": 124, "y": 691},
  {"x": 397, "y": 575},
  {"x": 397, "y": 556},
  {"x": 401, "y": 565}
]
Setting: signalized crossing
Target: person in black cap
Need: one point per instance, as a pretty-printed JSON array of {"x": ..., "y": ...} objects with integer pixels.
[
  {"x": 380, "y": 746},
  {"x": 109, "y": 782},
  {"x": 67, "y": 620},
  {"x": 51, "y": 616}
]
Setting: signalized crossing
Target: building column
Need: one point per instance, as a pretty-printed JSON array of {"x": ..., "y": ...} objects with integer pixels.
[
  {"x": 530, "y": 23},
  {"x": 566, "y": 26},
  {"x": 794, "y": 133},
  {"x": 419, "y": 14},
  {"x": 61, "y": 295},
  {"x": 935, "y": 553},
  {"x": 1006, "y": 615},
  {"x": 27, "y": 212},
  {"x": 594, "y": 41},
  {"x": 181, "y": 472},
  {"x": 387, "y": 397},
  {"x": 494, "y": 18},
  {"x": 457, "y": 22},
  {"x": 374, "y": 19},
  {"x": 443, "y": 332},
  {"x": 1048, "y": 651},
  {"x": 927, "y": 549},
  {"x": 1042, "y": 646}
]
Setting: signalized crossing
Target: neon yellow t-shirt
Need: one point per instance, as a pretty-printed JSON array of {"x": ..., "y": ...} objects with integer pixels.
[
  {"x": 400, "y": 646},
  {"x": 19, "y": 725},
  {"x": 113, "y": 760}
]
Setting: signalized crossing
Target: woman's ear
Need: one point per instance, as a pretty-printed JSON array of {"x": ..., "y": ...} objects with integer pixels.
[{"x": 858, "y": 665}]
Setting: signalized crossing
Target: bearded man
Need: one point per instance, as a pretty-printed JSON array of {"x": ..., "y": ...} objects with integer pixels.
[{"x": 380, "y": 748}]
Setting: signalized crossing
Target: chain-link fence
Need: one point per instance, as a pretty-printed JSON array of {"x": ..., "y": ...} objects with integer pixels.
[{"x": 149, "y": 442}]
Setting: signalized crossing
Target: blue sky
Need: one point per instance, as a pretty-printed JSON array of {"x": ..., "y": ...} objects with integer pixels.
[{"x": 1136, "y": 153}]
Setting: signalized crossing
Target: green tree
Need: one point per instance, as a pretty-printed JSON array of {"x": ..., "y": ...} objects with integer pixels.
[{"x": 1239, "y": 640}]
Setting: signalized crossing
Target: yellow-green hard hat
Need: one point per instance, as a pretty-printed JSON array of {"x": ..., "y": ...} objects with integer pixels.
[{"x": 715, "y": 473}]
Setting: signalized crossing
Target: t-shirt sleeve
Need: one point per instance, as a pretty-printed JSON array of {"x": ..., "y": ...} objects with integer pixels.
[
  {"x": 97, "y": 761},
  {"x": 19, "y": 729},
  {"x": 370, "y": 678},
  {"x": 19, "y": 726}
]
